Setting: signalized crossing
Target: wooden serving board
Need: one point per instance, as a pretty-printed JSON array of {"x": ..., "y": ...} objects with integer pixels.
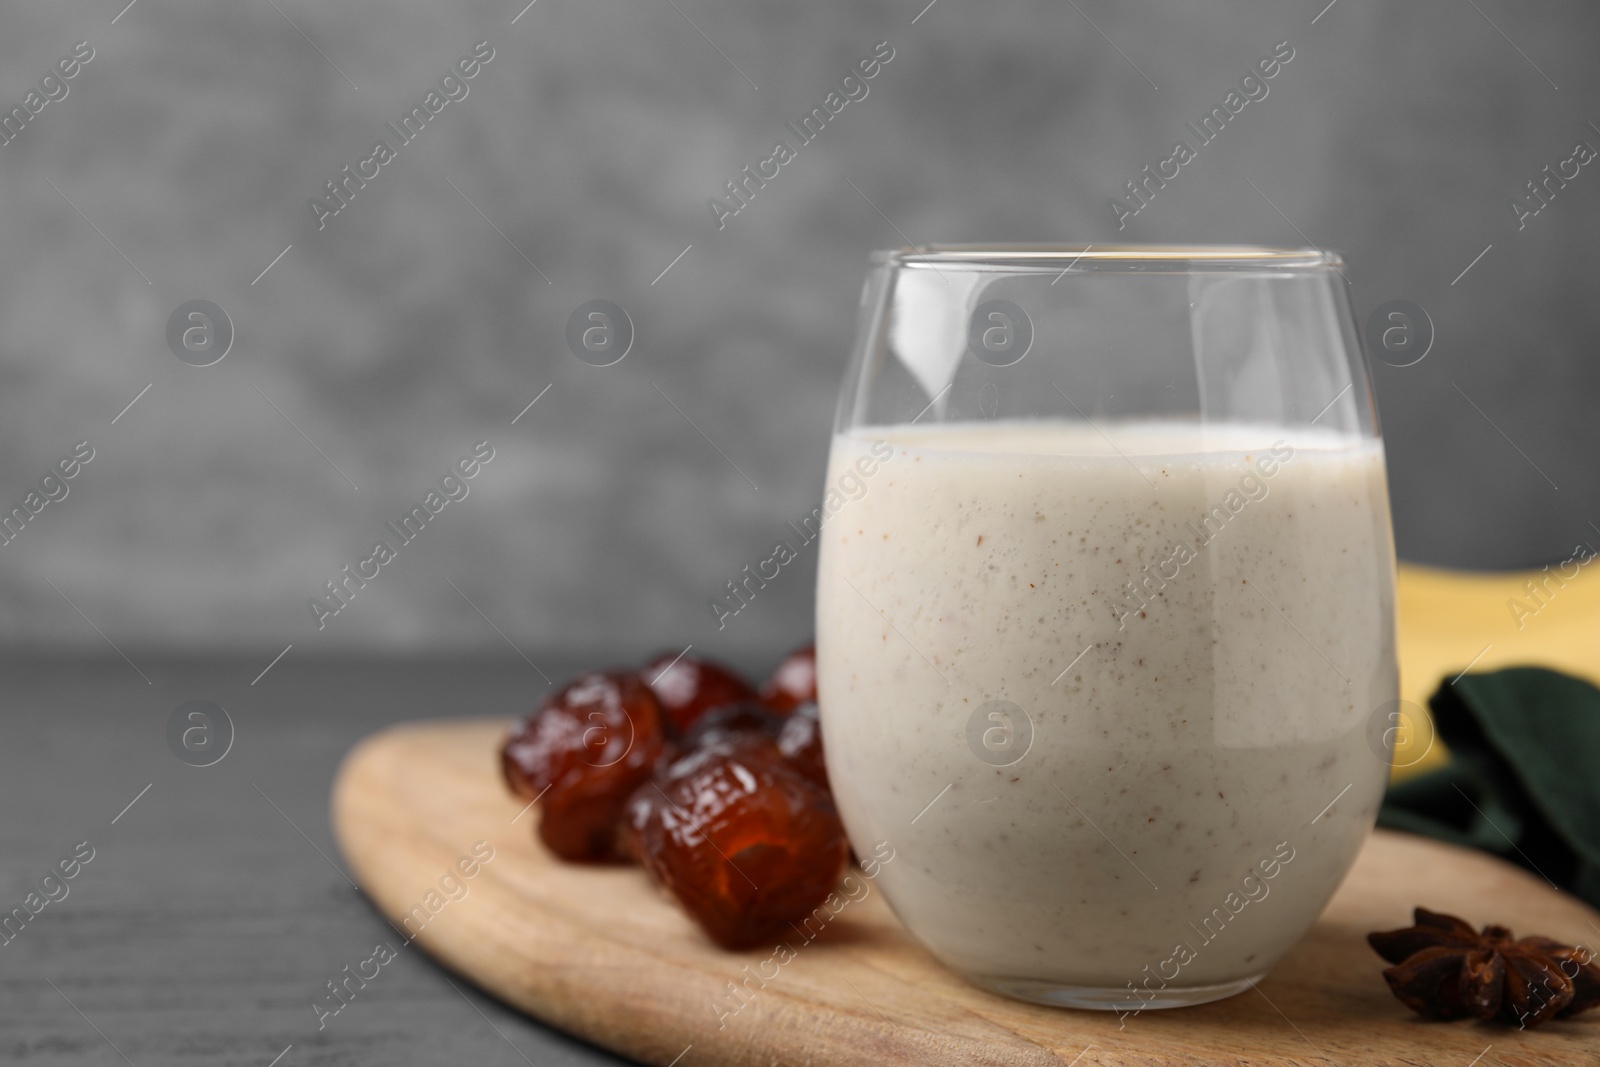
[{"x": 598, "y": 952}]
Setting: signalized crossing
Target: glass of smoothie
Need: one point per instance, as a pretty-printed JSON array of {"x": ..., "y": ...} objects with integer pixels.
[{"x": 1105, "y": 610}]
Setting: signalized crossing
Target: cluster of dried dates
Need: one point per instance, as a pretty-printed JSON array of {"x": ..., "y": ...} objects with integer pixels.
[{"x": 717, "y": 789}]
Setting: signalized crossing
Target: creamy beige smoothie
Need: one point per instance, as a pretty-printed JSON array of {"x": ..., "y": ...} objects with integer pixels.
[{"x": 1105, "y": 689}]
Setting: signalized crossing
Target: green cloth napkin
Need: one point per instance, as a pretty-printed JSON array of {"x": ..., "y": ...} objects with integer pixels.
[{"x": 1523, "y": 779}]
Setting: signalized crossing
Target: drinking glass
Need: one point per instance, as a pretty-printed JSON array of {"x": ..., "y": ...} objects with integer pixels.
[{"x": 1105, "y": 611}]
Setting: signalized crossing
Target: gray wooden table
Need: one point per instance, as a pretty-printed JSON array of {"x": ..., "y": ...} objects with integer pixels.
[{"x": 215, "y": 908}]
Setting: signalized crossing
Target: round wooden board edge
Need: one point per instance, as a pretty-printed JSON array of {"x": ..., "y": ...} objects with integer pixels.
[{"x": 667, "y": 1042}]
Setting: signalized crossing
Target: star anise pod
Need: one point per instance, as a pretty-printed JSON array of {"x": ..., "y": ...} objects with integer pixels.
[{"x": 1443, "y": 970}]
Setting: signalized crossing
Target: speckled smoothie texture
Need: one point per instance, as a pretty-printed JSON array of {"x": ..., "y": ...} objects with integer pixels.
[{"x": 1197, "y": 622}]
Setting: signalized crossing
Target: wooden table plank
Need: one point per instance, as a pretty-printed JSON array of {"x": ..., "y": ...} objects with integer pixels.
[{"x": 205, "y": 925}]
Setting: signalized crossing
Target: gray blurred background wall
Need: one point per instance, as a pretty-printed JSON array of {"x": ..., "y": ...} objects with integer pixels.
[{"x": 430, "y": 311}]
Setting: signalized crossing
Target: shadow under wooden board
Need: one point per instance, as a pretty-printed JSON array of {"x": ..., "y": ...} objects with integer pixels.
[{"x": 599, "y": 953}]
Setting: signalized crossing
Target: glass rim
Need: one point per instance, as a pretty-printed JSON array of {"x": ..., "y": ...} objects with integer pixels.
[{"x": 1041, "y": 257}]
